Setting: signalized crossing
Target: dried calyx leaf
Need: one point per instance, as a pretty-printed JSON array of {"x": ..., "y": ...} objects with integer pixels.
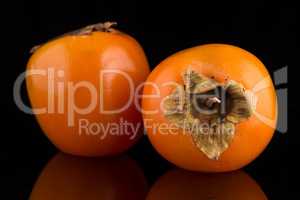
[
  {"x": 101, "y": 27},
  {"x": 208, "y": 110}
]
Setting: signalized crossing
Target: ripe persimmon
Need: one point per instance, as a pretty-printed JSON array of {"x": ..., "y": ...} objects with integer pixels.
[
  {"x": 210, "y": 108},
  {"x": 82, "y": 85},
  {"x": 75, "y": 178},
  {"x": 180, "y": 184}
]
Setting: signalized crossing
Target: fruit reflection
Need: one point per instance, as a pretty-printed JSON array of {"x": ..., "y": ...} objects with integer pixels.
[
  {"x": 68, "y": 177},
  {"x": 180, "y": 184}
]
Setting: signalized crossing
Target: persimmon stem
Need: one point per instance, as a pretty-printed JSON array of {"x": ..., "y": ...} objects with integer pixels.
[{"x": 211, "y": 101}]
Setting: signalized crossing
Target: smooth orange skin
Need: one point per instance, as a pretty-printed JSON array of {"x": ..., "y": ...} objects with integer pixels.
[
  {"x": 69, "y": 177},
  {"x": 82, "y": 58},
  {"x": 222, "y": 62},
  {"x": 180, "y": 185}
]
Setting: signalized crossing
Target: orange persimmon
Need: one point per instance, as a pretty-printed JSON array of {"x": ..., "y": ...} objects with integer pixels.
[
  {"x": 210, "y": 108},
  {"x": 82, "y": 85},
  {"x": 180, "y": 184}
]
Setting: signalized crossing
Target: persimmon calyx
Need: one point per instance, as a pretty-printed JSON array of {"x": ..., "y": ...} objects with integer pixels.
[
  {"x": 102, "y": 27},
  {"x": 208, "y": 110},
  {"x": 87, "y": 30}
]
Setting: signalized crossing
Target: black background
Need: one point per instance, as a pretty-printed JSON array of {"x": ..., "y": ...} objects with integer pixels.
[{"x": 267, "y": 29}]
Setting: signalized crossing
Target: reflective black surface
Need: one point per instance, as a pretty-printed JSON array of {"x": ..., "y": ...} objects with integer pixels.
[{"x": 136, "y": 174}]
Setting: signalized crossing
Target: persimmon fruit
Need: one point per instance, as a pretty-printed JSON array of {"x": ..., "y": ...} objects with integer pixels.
[
  {"x": 210, "y": 108},
  {"x": 81, "y": 86}
]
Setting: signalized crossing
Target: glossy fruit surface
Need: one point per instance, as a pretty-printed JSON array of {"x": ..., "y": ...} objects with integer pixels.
[
  {"x": 82, "y": 87},
  {"x": 220, "y": 64}
]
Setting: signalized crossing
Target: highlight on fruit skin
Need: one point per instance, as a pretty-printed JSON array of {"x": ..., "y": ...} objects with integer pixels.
[
  {"x": 179, "y": 184},
  {"x": 210, "y": 108},
  {"x": 68, "y": 177},
  {"x": 82, "y": 84}
]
